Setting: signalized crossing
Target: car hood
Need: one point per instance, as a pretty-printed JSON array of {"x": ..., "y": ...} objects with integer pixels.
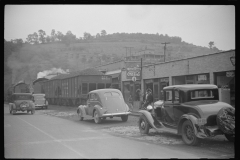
[{"x": 207, "y": 108}]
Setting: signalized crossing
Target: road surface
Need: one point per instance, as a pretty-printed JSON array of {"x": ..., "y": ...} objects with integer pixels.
[{"x": 42, "y": 136}]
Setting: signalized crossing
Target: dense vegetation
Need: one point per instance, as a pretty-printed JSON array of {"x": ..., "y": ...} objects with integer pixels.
[{"x": 41, "y": 52}]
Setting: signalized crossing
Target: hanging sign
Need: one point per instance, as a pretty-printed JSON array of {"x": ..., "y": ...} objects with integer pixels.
[
  {"x": 230, "y": 74},
  {"x": 133, "y": 72},
  {"x": 202, "y": 77}
]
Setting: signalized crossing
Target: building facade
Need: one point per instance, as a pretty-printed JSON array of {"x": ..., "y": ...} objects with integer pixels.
[{"x": 217, "y": 68}]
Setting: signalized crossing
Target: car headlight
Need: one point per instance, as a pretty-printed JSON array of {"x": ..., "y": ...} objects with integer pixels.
[
  {"x": 149, "y": 107},
  {"x": 201, "y": 121}
]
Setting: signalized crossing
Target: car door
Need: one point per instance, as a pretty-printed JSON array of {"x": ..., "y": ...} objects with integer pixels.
[
  {"x": 168, "y": 116},
  {"x": 178, "y": 111}
]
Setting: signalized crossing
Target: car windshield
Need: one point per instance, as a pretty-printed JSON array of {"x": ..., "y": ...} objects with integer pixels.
[
  {"x": 38, "y": 97},
  {"x": 22, "y": 97}
]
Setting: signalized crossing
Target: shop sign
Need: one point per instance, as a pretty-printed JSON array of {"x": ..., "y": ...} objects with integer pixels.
[
  {"x": 105, "y": 78},
  {"x": 133, "y": 72},
  {"x": 164, "y": 80},
  {"x": 202, "y": 77},
  {"x": 230, "y": 74}
]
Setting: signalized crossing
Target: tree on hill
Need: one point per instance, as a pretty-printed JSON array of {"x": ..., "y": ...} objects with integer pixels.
[
  {"x": 53, "y": 35},
  {"x": 103, "y": 33},
  {"x": 42, "y": 35},
  {"x": 59, "y": 36},
  {"x": 48, "y": 39},
  {"x": 211, "y": 44},
  {"x": 87, "y": 35},
  {"x": 97, "y": 35}
]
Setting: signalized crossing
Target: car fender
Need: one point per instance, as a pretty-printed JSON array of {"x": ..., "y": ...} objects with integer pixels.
[
  {"x": 151, "y": 120},
  {"x": 12, "y": 105},
  {"x": 83, "y": 111},
  {"x": 98, "y": 109},
  {"x": 191, "y": 118}
]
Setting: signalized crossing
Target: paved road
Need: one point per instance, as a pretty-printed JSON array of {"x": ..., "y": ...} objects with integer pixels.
[{"x": 42, "y": 136}]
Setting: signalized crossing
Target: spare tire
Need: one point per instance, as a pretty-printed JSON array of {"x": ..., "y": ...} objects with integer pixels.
[{"x": 226, "y": 120}]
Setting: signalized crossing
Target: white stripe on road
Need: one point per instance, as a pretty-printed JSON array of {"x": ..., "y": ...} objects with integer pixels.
[{"x": 55, "y": 139}]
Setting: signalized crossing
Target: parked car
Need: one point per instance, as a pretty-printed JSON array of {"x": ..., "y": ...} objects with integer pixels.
[
  {"x": 40, "y": 101},
  {"x": 103, "y": 103},
  {"x": 192, "y": 111},
  {"x": 21, "y": 102}
]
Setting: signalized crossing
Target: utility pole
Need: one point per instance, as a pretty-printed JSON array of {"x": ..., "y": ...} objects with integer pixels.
[
  {"x": 126, "y": 52},
  {"x": 165, "y": 48}
]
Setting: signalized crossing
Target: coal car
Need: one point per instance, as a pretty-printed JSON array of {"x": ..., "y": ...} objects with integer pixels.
[{"x": 72, "y": 89}]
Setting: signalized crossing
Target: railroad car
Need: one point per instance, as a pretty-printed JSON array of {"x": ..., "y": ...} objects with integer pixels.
[
  {"x": 37, "y": 85},
  {"x": 72, "y": 89},
  {"x": 21, "y": 87}
]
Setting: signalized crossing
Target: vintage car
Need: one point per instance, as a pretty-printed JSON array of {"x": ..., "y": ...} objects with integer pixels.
[
  {"x": 192, "y": 111},
  {"x": 103, "y": 103},
  {"x": 40, "y": 101},
  {"x": 21, "y": 102}
]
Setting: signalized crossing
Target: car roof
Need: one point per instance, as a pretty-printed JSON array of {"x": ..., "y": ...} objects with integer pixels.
[
  {"x": 191, "y": 86},
  {"x": 104, "y": 90},
  {"x": 38, "y": 94},
  {"x": 22, "y": 93}
]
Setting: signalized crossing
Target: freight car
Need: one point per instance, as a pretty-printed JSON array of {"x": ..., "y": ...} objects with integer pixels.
[
  {"x": 21, "y": 87},
  {"x": 37, "y": 85},
  {"x": 72, "y": 89}
]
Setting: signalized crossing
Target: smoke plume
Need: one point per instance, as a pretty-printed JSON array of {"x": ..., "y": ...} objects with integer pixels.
[{"x": 51, "y": 71}]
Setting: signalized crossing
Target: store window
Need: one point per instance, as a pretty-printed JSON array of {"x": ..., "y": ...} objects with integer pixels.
[
  {"x": 92, "y": 86},
  {"x": 84, "y": 88}
]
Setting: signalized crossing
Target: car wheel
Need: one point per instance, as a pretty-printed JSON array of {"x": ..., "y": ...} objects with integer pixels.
[
  {"x": 13, "y": 112},
  {"x": 143, "y": 125},
  {"x": 33, "y": 111},
  {"x": 104, "y": 118},
  {"x": 97, "y": 119},
  {"x": 230, "y": 137},
  {"x": 124, "y": 118},
  {"x": 188, "y": 135},
  {"x": 80, "y": 115}
]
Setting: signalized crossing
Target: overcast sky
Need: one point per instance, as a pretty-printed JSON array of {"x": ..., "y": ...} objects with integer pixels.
[{"x": 196, "y": 24}]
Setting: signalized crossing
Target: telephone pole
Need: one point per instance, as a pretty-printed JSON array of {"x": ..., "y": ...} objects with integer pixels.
[{"x": 165, "y": 48}]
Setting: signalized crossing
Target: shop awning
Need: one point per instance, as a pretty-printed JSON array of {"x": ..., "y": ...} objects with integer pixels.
[{"x": 114, "y": 74}]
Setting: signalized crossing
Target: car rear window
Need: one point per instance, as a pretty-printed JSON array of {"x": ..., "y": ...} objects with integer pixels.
[
  {"x": 199, "y": 94},
  {"x": 112, "y": 94},
  {"x": 23, "y": 97}
]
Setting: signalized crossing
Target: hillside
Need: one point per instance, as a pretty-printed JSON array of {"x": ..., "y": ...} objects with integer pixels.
[{"x": 32, "y": 59}]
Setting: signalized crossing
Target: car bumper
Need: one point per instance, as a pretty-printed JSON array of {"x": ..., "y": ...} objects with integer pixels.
[
  {"x": 38, "y": 106},
  {"x": 115, "y": 114}
]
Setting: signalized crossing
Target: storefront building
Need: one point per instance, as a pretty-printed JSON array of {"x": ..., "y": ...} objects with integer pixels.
[{"x": 217, "y": 68}]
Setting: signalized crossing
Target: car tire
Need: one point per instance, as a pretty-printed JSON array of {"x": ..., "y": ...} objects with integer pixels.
[
  {"x": 96, "y": 117},
  {"x": 33, "y": 111},
  {"x": 80, "y": 115},
  {"x": 124, "y": 118},
  {"x": 188, "y": 135},
  {"x": 230, "y": 137},
  {"x": 143, "y": 125}
]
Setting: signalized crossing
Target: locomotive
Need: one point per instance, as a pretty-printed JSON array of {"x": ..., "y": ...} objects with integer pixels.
[{"x": 71, "y": 89}]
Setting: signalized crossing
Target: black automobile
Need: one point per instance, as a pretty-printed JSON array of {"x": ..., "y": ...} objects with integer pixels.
[
  {"x": 192, "y": 111},
  {"x": 21, "y": 102}
]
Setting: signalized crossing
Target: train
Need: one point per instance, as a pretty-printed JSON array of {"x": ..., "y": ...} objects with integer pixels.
[{"x": 71, "y": 89}]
